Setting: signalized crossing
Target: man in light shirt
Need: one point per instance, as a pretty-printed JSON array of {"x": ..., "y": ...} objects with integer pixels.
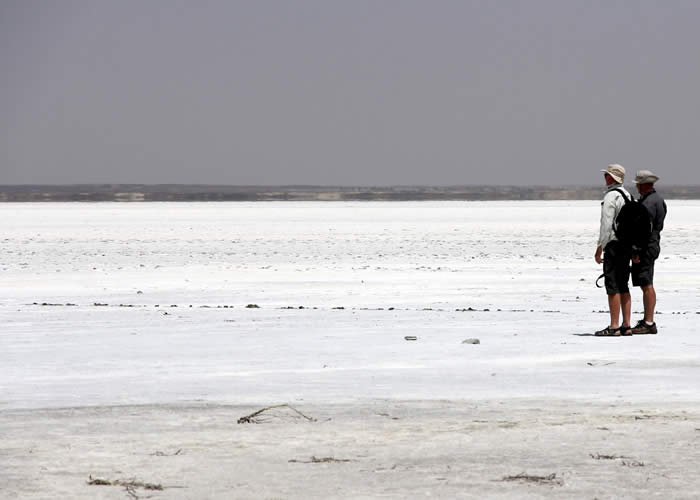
[{"x": 614, "y": 256}]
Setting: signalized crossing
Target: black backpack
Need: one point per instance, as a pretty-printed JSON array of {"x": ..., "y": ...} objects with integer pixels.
[{"x": 633, "y": 224}]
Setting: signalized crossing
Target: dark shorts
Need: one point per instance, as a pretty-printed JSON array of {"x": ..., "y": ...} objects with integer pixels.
[
  {"x": 643, "y": 273},
  {"x": 616, "y": 268}
]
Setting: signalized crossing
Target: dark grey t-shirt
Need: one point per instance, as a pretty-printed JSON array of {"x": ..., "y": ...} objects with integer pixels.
[{"x": 656, "y": 206}]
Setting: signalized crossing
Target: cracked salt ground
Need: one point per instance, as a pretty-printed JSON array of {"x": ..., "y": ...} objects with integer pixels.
[{"x": 98, "y": 344}]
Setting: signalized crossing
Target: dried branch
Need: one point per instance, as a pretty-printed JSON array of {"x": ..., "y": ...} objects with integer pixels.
[
  {"x": 127, "y": 484},
  {"x": 259, "y": 416},
  {"x": 322, "y": 460},
  {"x": 550, "y": 479},
  {"x": 163, "y": 454},
  {"x": 606, "y": 457},
  {"x": 632, "y": 463},
  {"x": 131, "y": 492},
  {"x": 626, "y": 461}
]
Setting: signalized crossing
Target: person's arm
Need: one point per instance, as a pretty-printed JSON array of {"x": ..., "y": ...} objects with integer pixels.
[
  {"x": 607, "y": 217},
  {"x": 660, "y": 216}
]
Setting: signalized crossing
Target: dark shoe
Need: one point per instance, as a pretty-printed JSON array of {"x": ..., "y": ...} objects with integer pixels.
[
  {"x": 608, "y": 332},
  {"x": 641, "y": 328},
  {"x": 626, "y": 330}
]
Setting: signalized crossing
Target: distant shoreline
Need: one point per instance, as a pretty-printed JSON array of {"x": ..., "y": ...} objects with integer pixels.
[{"x": 188, "y": 192}]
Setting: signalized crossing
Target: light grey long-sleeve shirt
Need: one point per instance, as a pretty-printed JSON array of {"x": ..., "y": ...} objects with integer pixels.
[{"x": 610, "y": 207}]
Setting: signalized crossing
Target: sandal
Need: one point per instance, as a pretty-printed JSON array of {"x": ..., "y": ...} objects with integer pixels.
[
  {"x": 642, "y": 328},
  {"x": 626, "y": 331},
  {"x": 608, "y": 332}
]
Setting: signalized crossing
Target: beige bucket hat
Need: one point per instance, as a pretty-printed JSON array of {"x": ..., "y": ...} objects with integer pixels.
[
  {"x": 646, "y": 177},
  {"x": 615, "y": 171}
]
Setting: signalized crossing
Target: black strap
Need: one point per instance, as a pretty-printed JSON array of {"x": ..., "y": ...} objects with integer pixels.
[
  {"x": 624, "y": 197},
  {"x": 627, "y": 200},
  {"x": 596, "y": 281}
]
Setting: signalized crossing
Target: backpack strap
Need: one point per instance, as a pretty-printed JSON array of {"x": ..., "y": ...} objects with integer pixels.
[
  {"x": 627, "y": 201},
  {"x": 624, "y": 196},
  {"x": 599, "y": 277}
]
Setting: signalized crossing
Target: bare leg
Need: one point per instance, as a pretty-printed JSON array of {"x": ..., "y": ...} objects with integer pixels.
[
  {"x": 626, "y": 303},
  {"x": 649, "y": 298},
  {"x": 614, "y": 306}
]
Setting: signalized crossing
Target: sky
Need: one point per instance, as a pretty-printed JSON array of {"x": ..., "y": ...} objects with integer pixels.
[{"x": 354, "y": 92}]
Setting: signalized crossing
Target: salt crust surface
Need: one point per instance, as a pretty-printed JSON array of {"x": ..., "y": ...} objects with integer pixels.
[{"x": 517, "y": 275}]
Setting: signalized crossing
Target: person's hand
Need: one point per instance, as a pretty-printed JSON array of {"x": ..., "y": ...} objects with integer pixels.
[
  {"x": 636, "y": 259},
  {"x": 598, "y": 255}
]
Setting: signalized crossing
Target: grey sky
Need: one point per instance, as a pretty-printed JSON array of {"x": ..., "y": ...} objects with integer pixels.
[{"x": 347, "y": 92}]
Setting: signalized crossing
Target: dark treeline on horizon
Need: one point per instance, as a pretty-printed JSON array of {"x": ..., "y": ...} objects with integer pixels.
[{"x": 183, "y": 192}]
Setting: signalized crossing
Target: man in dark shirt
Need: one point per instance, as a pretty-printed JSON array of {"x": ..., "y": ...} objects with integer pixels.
[{"x": 643, "y": 264}]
